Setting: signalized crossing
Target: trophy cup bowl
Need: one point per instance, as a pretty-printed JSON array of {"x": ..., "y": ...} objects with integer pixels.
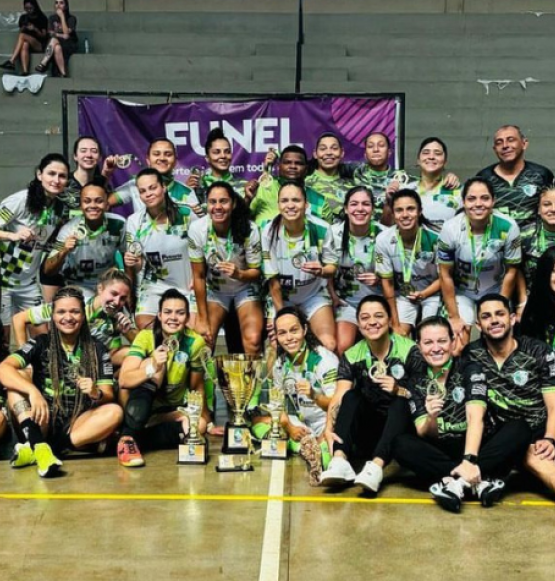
[
  {"x": 275, "y": 445},
  {"x": 238, "y": 376},
  {"x": 195, "y": 448}
]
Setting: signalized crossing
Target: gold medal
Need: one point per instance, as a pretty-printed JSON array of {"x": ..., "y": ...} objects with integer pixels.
[
  {"x": 435, "y": 389},
  {"x": 80, "y": 232},
  {"x": 378, "y": 370},
  {"x": 172, "y": 343},
  {"x": 135, "y": 248}
]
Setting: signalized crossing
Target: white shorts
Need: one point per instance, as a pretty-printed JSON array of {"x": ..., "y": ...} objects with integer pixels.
[
  {"x": 408, "y": 310},
  {"x": 308, "y": 307},
  {"x": 346, "y": 314},
  {"x": 249, "y": 294},
  {"x": 467, "y": 309},
  {"x": 149, "y": 297},
  {"x": 15, "y": 300}
]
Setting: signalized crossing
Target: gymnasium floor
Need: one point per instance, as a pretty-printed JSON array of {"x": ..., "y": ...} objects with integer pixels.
[{"x": 164, "y": 521}]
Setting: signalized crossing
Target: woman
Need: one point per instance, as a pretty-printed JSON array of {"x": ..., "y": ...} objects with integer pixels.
[
  {"x": 478, "y": 254},
  {"x": 225, "y": 253},
  {"x": 108, "y": 322},
  {"x": 27, "y": 221},
  {"x": 218, "y": 156},
  {"x": 162, "y": 365},
  {"x": 538, "y": 318},
  {"x": 405, "y": 259},
  {"x": 376, "y": 174},
  {"x": 63, "y": 39},
  {"x": 355, "y": 242},
  {"x": 298, "y": 256},
  {"x": 440, "y": 201},
  {"x": 536, "y": 239},
  {"x": 306, "y": 372},
  {"x": 86, "y": 246},
  {"x": 369, "y": 407},
  {"x": 157, "y": 247},
  {"x": 32, "y": 36},
  {"x": 68, "y": 404},
  {"x": 328, "y": 178},
  {"x": 442, "y": 408}
]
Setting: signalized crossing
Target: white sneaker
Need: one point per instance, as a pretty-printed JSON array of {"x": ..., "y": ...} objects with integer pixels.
[
  {"x": 339, "y": 473},
  {"x": 449, "y": 493},
  {"x": 370, "y": 477},
  {"x": 490, "y": 491}
]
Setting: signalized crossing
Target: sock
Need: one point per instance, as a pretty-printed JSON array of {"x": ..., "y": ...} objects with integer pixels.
[
  {"x": 32, "y": 432},
  {"x": 326, "y": 456},
  {"x": 260, "y": 430}
]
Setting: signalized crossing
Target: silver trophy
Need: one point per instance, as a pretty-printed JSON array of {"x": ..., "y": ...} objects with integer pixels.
[
  {"x": 195, "y": 448},
  {"x": 275, "y": 445}
]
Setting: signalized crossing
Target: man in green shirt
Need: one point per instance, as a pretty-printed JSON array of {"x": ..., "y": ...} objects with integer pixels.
[{"x": 263, "y": 199}]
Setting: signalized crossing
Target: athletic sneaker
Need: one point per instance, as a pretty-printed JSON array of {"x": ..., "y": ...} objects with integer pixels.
[
  {"x": 311, "y": 452},
  {"x": 449, "y": 495},
  {"x": 489, "y": 492},
  {"x": 128, "y": 453},
  {"x": 7, "y": 66},
  {"x": 339, "y": 473},
  {"x": 23, "y": 455},
  {"x": 48, "y": 465},
  {"x": 370, "y": 477}
]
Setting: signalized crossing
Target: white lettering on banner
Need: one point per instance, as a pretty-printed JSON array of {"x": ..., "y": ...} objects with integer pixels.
[{"x": 267, "y": 132}]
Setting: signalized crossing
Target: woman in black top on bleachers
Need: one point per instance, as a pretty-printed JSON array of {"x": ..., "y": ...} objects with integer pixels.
[
  {"x": 32, "y": 36},
  {"x": 63, "y": 40}
]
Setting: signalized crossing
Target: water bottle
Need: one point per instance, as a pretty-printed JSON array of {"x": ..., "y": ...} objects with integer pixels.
[{"x": 87, "y": 46}]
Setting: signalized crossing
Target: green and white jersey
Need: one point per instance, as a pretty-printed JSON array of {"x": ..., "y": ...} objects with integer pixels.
[
  {"x": 205, "y": 246},
  {"x": 535, "y": 241},
  {"x": 319, "y": 367},
  {"x": 333, "y": 188},
  {"x": 179, "y": 366},
  {"x": 165, "y": 248},
  {"x": 102, "y": 326},
  {"x": 479, "y": 261},
  {"x": 413, "y": 266},
  {"x": 438, "y": 204},
  {"x": 181, "y": 194},
  {"x": 92, "y": 255},
  {"x": 361, "y": 257},
  {"x": 20, "y": 261},
  {"x": 378, "y": 181},
  {"x": 264, "y": 207},
  {"x": 285, "y": 256}
]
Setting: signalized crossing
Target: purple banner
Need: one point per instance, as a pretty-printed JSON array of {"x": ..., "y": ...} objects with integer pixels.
[{"x": 252, "y": 127}]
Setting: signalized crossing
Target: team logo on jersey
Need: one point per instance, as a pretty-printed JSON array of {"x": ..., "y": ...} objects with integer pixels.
[
  {"x": 477, "y": 377},
  {"x": 529, "y": 190},
  {"x": 521, "y": 377},
  {"x": 181, "y": 357},
  {"x": 398, "y": 371},
  {"x": 494, "y": 245},
  {"x": 458, "y": 394}
]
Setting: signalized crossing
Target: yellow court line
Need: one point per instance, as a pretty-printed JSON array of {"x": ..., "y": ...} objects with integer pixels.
[{"x": 246, "y": 498}]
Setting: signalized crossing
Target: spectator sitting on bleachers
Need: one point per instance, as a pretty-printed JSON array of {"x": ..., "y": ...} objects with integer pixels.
[
  {"x": 63, "y": 40},
  {"x": 32, "y": 36}
]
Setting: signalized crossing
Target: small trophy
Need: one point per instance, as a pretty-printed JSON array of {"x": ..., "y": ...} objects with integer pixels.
[
  {"x": 238, "y": 376},
  {"x": 275, "y": 445},
  {"x": 195, "y": 448}
]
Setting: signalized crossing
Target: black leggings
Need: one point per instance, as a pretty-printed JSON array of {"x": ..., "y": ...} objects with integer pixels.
[
  {"x": 137, "y": 413},
  {"x": 432, "y": 460},
  {"x": 367, "y": 434}
]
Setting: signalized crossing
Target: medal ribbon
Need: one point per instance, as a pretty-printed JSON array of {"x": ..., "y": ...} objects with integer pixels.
[
  {"x": 444, "y": 368},
  {"x": 289, "y": 243},
  {"x": 477, "y": 265},
  {"x": 212, "y": 242},
  {"x": 372, "y": 244},
  {"x": 407, "y": 265}
]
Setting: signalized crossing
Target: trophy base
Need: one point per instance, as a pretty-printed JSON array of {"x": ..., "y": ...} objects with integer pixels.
[
  {"x": 192, "y": 453},
  {"x": 273, "y": 449},
  {"x": 232, "y": 463},
  {"x": 237, "y": 439}
]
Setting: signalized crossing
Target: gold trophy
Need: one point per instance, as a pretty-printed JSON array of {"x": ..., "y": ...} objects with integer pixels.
[
  {"x": 238, "y": 376},
  {"x": 275, "y": 445},
  {"x": 195, "y": 448}
]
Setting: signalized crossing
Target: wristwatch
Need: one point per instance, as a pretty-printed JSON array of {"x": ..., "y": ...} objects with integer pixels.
[
  {"x": 150, "y": 370},
  {"x": 472, "y": 458}
]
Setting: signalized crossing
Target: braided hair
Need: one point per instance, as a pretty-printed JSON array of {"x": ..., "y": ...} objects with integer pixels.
[{"x": 89, "y": 360}]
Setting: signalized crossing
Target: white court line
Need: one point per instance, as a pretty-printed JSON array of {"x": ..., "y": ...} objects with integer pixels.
[{"x": 271, "y": 545}]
